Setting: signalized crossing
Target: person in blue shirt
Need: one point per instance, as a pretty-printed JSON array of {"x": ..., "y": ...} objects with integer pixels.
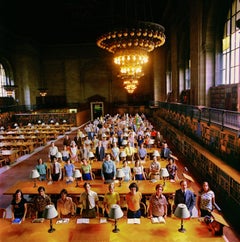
[
  {"x": 108, "y": 170},
  {"x": 69, "y": 169}
]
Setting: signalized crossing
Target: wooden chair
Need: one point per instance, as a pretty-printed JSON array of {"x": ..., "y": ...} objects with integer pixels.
[{"x": 3, "y": 213}]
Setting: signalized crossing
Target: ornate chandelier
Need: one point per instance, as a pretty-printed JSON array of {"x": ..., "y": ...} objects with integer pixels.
[
  {"x": 131, "y": 45},
  {"x": 130, "y": 85}
]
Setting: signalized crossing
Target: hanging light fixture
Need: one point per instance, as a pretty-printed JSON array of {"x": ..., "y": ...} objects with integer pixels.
[
  {"x": 10, "y": 89},
  {"x": 130, "y": 85},
  {"x": 43, "y": 91},
  {"x": 130, "y": 46}
]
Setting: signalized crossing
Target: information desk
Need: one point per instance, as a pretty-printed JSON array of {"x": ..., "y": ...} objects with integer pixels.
[
  {"x": 145, "y": 187},
  {"x": 94, "y": 231}
]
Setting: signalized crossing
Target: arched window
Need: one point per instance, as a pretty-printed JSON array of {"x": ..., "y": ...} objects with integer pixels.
[
  {"x": 6, "y": 84},
  {"x": 231, "y": 49}
]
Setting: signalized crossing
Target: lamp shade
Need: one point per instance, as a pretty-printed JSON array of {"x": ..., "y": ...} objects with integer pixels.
[
  {"x": 77, "y": 174},
  {"x": 115, "y": 212},
  {"x": 164, "y": 172},
  {"x": 90, "y": 154},
  {"x": 34, "y": 174},
  {"x": 123, "y": 154},
  {"x": 59, "y": 155},
  {"x": 151, "y": 141},
  {"x": 181, "y": 211},
  {"x": 156, "y": 153},
  {"x": 120, "y": 173},
  {"x": 50, "y": 212}
]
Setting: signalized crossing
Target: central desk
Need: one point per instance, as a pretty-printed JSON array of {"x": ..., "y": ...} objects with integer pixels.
[
  {"x": 96, "y": 232},
  {"x": 146, "y": 187}
]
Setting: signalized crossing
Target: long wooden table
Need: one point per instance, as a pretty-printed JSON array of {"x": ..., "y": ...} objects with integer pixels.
[
  {"x": 145, "y": 187},
  {"x": 96, "y": 232}
]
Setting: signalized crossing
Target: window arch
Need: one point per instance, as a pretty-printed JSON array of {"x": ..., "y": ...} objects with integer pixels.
[
  {"x": 231, "y": 49},
  {"x": 6, "y": 80}
]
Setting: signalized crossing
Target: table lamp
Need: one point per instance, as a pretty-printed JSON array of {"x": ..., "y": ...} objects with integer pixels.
[
  {"x": 34, "y": 175},
  {"x": 90, "y": 155},
  {"x": 123, "y": 154},
  {"x": 164, "y": 174},
  {"x": 120, "y": 175},
  {"x": 59, "y": 155},
  {"x": 182, "y": 212},
  {"x": 156, "y": 153},
  {"x": 115, "y": 213},
  {"x": 77, "y": 174},
  {"x": 124, "y": 142},
  {"x": 50, "y": 212}
]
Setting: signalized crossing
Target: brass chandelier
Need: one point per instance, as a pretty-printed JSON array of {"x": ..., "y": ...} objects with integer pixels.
[{"x": 130, "y": 46}]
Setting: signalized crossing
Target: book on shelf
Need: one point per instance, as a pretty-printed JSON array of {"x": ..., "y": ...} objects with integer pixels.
[
  {"x": 17, "y": 221},
  {"x": 133, "y": 221},
  {"x": 83, "y": 221},
  {"x": 157, "y": 220},
  {"x": 38, "y": 220},
  {"x": 62, "y": 221}
]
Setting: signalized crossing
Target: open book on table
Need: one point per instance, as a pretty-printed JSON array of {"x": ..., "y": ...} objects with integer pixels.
[
  {"x": 157, "y": 220},
  {"x": 63, "y": 221},
  {"x": 133, "y": 221},
  {"x": 83, "y": 221}
]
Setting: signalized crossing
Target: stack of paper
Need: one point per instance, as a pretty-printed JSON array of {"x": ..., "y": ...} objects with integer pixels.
[
  {"x": 83, "y": 221},
  {"x": 133, "y": 221},
  {"x": 63, "y": 221},
  {"x": 158, "y": 220}
]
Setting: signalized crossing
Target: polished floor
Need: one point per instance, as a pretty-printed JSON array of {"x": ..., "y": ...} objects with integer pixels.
[{"x": 20, "y": 170}]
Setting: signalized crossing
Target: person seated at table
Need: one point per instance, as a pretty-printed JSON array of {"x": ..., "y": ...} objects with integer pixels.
[
  {"x": 127, "y": 171},
  {"x": 100, "y": 151},
  {"x": 158, "y": 139},
  {"x": 86, "y": 170},
  {"x": 55, "y": 171},
  {"x": 18, "y": 205},
  {"x": 142, "y": 152},
  {"x": 108, "y": 170},
  {"x": 89, "y": 200},
  {"x": 158, "y": 203},
  {"x": 140, "y": 140},
  {"x": 110, "y": 198},
  {"x": 69, "y": 169},
  {"x": 147, "y": 141},
  {"x": 65, "y": 153},
  {"x": 138, "y": 171},
  {"x": 133, "y": 199},
  {"x": 41, "y": 201},
  {"x": 53, "y": 150},
  {"x": 41, "y": 167},
  {"x": 172, "y": 169},
  {"x": 154, "y": 169},
  {"x": 65, "y": 205}
]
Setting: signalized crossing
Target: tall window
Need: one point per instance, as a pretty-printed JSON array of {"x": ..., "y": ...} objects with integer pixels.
[
  {"x": 3, "y": 81},
  {"x": 231, "y": 49}
]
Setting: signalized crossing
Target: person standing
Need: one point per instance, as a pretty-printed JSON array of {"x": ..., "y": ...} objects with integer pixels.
[
  {"x": 65, "y": 205},
  {"x": 89, "y": 200},
  {"x": 18, "y": 206},
  {"x": 206, "y": 200},
  {"x": 133, "y": 199},
  {"x": 158, "y": 203},
  {"x": 184, "y": 195},
  {"x": 108, "y": 170},
  {"x": 55, "y": 170},
  {"x": 53, "y": 150},
  {"x": 42, "y": 169},
  {"x": 110, "y": 198},
  {"x": 100, "y": 151},
  {"x": 69, "y": 169},
  {"x": 41, "y": 201}
]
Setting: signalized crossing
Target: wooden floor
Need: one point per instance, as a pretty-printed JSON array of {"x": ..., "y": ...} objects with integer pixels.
[{"x": 21, "y": 170}]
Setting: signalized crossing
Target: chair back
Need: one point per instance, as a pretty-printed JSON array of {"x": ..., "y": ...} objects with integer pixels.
[{"x": 3, "y": 213}]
